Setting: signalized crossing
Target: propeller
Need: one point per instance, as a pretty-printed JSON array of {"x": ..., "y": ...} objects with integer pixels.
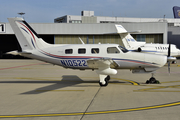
[{"x": 169, "y": 54}]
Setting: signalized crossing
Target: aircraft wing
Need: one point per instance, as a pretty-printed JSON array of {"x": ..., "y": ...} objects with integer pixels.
[
  {"x": 102, "y": 63},
  {"x": 104, "y": 66}
]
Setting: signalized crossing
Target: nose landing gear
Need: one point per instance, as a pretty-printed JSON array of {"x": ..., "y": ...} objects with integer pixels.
[{"x": 152, "y": 80}]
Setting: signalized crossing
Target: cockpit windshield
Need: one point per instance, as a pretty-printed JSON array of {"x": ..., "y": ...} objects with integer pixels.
[{"x": 123, "y": 49}]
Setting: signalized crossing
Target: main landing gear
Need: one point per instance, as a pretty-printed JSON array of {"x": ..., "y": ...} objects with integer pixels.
[
  {"x": 104, "y": 79},
  {"x": 152, "y": 80}
]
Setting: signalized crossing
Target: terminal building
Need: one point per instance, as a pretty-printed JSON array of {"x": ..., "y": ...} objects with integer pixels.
[{"x": 95, "y": 29}]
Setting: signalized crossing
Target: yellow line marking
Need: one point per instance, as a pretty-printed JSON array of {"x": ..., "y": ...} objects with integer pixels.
[
  {"x": 38, "y": 79},
  {"x": 136, "y": 109},
  {"x": 134, "y": 83},
  {"x": 40, "y": 115},
  {"x": 92, "y": 113},
  {"x": 59, "y": 90},
  {"x": 121, "y": 83},
  {"x": 170, "y": 81},
  {"x": 154, "y": 89}
]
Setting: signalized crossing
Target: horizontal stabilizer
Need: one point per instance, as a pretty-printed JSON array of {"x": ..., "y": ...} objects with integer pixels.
[
  {"x": 138, "y": 31},
  {"x": 131, "y": 32},
  {"x": 17, "y": 53}
]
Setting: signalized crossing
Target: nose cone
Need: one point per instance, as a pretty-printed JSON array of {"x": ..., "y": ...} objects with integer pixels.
[
  {"x": 179, "y": 53},
  {"x": 163, "y": 61},
  {"x": 158, "y": 60}
]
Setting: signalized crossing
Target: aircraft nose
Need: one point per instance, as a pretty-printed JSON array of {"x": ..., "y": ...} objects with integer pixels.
[
  {"x": 179, "y": 53},
  {"x": 162, "y": 60}
]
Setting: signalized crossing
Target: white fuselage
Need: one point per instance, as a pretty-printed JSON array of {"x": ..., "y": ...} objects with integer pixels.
[
  {"x": 131, "y": 44},
  {"x": 76, "y": 56},
  {"x": 105, "y": 58},
  {"x": 160, "y": 49}
]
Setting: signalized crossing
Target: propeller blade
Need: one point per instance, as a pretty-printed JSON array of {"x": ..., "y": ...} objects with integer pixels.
[
  {"x": 169, "y": 67},
  {"x": 169, "y": 50},
  {"x": 169, "y": 54}
]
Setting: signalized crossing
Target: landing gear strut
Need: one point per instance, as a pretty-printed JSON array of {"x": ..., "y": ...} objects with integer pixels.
[
  {"x": 152, "y": 80},
  {"x": 105, "y": 81}
]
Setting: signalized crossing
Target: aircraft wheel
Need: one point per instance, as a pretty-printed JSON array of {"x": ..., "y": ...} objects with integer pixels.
[
  {"x": 108, "y": 78},
  {"x": 152, "y": 80},
  {"x": 174, "y": 62},
  {"x": 147, "y": 82},
  {"x": 103, "y": 85}
]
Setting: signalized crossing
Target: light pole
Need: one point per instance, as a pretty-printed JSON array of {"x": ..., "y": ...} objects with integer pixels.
[{"x": 21, "y": 13}]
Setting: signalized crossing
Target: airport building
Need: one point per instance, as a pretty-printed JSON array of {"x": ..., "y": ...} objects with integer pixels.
[{"x": 95, "y": 29}]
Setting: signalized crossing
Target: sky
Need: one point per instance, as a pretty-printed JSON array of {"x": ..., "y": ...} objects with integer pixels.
[{"x": 45, "y": 11}]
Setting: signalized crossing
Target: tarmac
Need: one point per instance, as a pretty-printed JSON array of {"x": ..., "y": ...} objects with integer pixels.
[{"x": 31, "y": 89}]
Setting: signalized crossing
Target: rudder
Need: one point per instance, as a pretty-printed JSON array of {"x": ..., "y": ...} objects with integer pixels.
[
  {"x": 129, "y": 42},
  {"x": 27, "y": 37}
]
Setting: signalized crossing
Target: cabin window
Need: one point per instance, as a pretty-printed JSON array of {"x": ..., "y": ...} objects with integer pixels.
[
  {"x": 123, "y": 49},
  {"x": 95, "y": 50},
  {"x": 112, "y": 50},
  {"x": 69, "y": 51},
  {"x": 82, "y": 51}
]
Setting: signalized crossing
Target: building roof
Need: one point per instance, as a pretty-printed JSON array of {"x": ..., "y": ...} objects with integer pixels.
[
  {"x": 106, "y": 19},
  {"x": 91, "y": 29}
]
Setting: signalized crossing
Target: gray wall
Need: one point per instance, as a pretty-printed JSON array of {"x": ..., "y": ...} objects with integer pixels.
[
  {"x": 94, "y": 29},
  {"x": 51, "y": 29},
  {"x": 174, "y": 35}
]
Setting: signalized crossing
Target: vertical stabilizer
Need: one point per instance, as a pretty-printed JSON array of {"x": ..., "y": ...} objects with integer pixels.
[
  {"x": 176, "y": 11},
  {"x": 129, "y": 42},
  {"x": 27, "y": 37}
]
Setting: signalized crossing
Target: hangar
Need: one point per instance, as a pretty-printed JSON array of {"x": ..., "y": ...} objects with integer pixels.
[{"x": 93, "y": 29}]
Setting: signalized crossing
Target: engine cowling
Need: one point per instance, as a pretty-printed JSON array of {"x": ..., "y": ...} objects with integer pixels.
[
  {"x": 146, "y": 49},
  {"x": 170, "y": 59}
]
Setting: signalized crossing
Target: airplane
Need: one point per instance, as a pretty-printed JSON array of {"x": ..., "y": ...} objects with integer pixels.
[
  {"x": 104, "y": 58},
  {"x": 131, "y": 44}
]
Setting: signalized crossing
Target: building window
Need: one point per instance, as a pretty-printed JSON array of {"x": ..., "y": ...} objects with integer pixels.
[
  {"x": 69, "y": 51},
  {"x": 112, "y": 50},
  {"x": 95, "y": 50},
  {"x": 141, "y": 38},
  {"x": 81, "y": 51},
  {"x": 75, "y": 21}
]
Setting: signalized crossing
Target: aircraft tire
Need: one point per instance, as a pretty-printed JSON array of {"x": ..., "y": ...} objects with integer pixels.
[
  {"x": 152, "y": 80},
  {"x": 108, "y": 78},
  {"x": 104, "y": 85},
  {"x": 147, "y": 82}
]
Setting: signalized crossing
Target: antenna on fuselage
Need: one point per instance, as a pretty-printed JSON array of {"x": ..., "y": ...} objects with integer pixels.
[{"x": 81, "y": 40}]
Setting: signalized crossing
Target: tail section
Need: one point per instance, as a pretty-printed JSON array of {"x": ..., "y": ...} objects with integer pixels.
[
  {"x": 176, "y": 11},
  {"x": 129, "y": 42},
  {"x": 27, "y": 37}
]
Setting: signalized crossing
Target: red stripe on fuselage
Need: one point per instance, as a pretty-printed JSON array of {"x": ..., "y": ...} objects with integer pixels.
[{"x": 29, "y": 31}]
